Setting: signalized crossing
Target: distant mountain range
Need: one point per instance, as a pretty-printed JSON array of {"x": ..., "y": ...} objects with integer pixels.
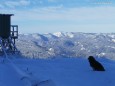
[{"x": 67, "y": 44}]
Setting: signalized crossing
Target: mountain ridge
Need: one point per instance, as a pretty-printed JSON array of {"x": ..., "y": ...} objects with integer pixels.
[{"x": 67, "y": 44}]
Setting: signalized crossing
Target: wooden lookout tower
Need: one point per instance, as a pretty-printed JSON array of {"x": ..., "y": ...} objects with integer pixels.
[{"x": 8, "y": 34}]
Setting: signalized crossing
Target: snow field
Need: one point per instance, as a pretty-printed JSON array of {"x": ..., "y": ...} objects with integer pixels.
[{"x": 55, "y": 72}]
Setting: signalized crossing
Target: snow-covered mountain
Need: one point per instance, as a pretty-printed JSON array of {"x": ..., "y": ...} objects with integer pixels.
[{"x": 67, "y": 44}]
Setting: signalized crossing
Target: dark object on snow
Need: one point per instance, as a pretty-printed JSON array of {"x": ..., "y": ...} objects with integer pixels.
[{"x": 95, "y": 64}]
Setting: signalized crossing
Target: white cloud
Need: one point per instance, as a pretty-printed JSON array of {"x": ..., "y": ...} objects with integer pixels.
[
  {"x": 52, "y": 9},
  {"x": 13, "y": 4},
  {"x": 24, "y": 2},
  {"x": 66, "y": 18},
  {"x": 70, "y": 14},
  {"x": 95, "y": 13}
]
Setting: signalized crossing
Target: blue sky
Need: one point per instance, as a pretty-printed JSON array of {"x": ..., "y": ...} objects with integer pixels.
[{"x": 48, "y": 16}]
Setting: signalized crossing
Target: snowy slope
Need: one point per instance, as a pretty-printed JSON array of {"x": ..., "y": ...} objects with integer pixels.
[
  {"x": 55, "y": 72},
  {"x": 69, "y": 44},
  {"x": 12, "y": 75}
]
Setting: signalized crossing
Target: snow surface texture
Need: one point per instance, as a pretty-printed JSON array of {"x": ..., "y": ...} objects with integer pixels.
[
  {"x": 12, "y": 75},
  {"x": 70, "y": 44},
  {"x": 55, "y": 72}
]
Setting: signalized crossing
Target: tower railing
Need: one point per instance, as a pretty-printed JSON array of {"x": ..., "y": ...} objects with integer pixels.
[{"x": 14, "y": 32}]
